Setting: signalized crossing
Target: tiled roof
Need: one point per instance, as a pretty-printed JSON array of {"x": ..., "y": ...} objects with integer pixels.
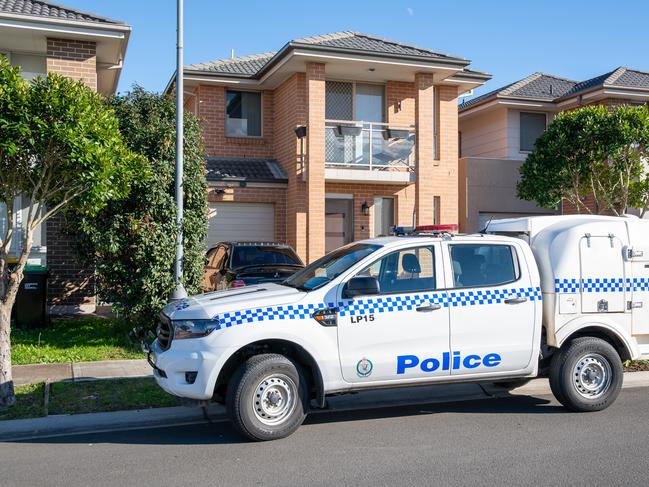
[
  {"x": 364, "y": 42},
  {"x": 250, "y": 170},
  {"x": 245, "y": 65},
  {"x": 538, "y": 86},
  {"x": 249, "y": 66},
  {"x": 51, "y": 10},
  {"x": 620, "y": 78}
]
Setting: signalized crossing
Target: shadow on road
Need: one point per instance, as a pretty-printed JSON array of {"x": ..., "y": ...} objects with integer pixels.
[{"x": 221, "y": 432}]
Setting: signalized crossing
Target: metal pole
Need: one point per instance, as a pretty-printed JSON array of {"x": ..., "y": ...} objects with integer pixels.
[{"x": 179, "y": 292}]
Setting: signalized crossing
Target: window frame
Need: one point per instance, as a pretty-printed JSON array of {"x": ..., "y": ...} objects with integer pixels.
[
  {"x": 225, "y": 115},
  {"x": 354, "y": 83},
  {"x": 431, "y": 246},
  {"x": 515, "y": 257},
  {"x": 520, "y": 130}
]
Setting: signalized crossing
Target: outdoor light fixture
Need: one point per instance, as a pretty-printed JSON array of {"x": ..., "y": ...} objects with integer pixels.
[
  {"x": 365, "y": 209},
  {"x": 300, "y": 133}
]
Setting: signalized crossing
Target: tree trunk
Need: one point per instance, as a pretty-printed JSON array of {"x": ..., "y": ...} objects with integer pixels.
[{"x": 7, "y": 397}]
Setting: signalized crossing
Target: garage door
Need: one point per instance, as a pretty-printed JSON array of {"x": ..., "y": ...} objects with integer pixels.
[{"x": 241, "y": 221}]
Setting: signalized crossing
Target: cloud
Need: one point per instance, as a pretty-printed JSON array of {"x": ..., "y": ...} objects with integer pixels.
[{"x": 410, "y": 11}]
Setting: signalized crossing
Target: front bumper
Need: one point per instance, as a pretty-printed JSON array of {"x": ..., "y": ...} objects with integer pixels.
[{"x": 170, "y": 366}]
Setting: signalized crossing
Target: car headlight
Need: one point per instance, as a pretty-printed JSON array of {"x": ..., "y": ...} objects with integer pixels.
[{"x": 194, "y": 328}]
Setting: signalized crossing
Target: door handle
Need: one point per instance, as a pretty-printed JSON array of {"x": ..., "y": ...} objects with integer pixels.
[
  {"x": 516, "y": 300},
  {"x": 429, "y": 308}
]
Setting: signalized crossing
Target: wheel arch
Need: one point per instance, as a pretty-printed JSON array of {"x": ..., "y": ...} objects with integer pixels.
[
  {"x": 287, "y": 348},
  {"x": 619, "y": 339}
]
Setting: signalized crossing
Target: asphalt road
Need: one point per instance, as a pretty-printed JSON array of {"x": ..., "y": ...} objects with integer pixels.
[{"x": 518, "y": 440}]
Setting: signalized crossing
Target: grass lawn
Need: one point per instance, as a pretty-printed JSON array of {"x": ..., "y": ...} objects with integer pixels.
[
  {"x": 89, "y": 397},
  {"x": 86, "y": 339}
]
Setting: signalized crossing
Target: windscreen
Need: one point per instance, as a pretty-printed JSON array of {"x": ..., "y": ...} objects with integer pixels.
[{"x": 251, "y": 255}]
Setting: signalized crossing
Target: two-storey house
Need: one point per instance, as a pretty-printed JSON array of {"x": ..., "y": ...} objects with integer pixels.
[
  {"x": 498, "y": 130},
  {"x": 331, "y": 139},
  {"x": 42, "y": 37}
]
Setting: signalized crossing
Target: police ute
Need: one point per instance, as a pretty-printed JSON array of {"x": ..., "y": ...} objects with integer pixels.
[{"x": 564, "y": 297}]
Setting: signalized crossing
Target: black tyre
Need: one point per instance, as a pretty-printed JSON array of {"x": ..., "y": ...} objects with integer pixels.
[
  {"x": 586, "y": 374},
  {"x": 267, "y": 397}
]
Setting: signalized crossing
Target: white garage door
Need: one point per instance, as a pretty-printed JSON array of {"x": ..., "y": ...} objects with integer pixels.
[{"x": 241, "y": 221}]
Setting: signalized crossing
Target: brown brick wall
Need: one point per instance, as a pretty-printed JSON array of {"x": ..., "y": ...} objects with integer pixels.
[
  {"x": 291, "y": 111},
  {"x": 401, "y": 103},
  {"x": 211, "y": 111},
  {"x": 276, "y": 196},
  {"x": 74, "y": 59},
  {"x": 70, "y": 284},
  {"x": 315, "y": 91}
]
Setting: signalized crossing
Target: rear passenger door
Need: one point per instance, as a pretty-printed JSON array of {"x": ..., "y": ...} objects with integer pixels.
[{"x": 492, "y": 308}]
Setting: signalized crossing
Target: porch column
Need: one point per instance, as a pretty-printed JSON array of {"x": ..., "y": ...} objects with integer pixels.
[
  {"x": 315, "y": 172},
  {"x": 424, "y": 148}
]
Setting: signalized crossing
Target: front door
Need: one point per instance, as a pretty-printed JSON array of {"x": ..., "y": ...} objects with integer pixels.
[
  {"x": 339, "y": 229},
  {"x": 403, "y": 332},
  {"x": 492, "y": 303}
]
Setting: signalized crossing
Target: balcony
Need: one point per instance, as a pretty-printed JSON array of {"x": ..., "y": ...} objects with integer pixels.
[{"x": 369, "y": 151}]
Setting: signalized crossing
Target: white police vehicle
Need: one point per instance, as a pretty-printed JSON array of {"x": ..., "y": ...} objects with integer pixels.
[{"x": 561, "y": 296}]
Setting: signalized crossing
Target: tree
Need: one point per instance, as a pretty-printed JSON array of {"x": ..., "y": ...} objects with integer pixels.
[
  {"x": 594, "y": 152},
  {"x": 61, "y": 147},
  {"x": 131, "y": 241}
]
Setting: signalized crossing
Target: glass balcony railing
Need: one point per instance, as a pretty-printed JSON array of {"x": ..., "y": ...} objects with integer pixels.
[{"x": 369, "y": 145}]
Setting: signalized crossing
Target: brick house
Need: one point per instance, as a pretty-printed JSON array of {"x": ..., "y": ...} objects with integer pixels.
[
  {"x": 331, "y": 139},
  {"x": 42, "y": 37},
  {"x": 498, "y": 130}
]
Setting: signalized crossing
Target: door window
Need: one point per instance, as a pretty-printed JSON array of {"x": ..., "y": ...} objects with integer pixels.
[
  {"x": 480, "y": 265},
  {"x": 408, "y": 270},
  {"x": 383, "y": 215}
]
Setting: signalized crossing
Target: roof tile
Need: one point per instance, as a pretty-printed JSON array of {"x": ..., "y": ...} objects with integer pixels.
[
  {"x": 250, "y": 170},
  {"x": 41, "y": 8}
]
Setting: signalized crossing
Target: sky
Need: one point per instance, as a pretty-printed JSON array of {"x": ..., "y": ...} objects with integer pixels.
[{"x": 574, "y": 39}]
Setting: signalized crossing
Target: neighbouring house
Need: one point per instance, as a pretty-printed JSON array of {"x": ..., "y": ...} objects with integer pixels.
[
  {"x": 331, "y": 139},
  {"x": 498, "y": 129},
  {"x": 42, "y": 37}
]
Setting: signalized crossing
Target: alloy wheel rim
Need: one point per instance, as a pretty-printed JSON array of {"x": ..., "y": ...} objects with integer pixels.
[
  {"x": 274, "y": 399},
  {"x": 592, "y": 376}
]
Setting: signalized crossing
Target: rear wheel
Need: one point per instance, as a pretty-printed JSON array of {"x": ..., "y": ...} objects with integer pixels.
[
  {"x": 267, "y": 397},
  {"x": 586, "y": 374}
]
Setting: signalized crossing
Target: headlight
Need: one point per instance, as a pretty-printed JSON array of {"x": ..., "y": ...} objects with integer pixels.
[{"x": 194, "y": 328}]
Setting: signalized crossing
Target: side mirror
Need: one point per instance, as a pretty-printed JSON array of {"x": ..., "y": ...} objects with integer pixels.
[{"x": 361, "y": 286}]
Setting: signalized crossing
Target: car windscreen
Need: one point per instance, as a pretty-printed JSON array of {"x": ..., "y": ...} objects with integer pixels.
[
  {"x": 330, "y": 266},
  {"x": 252, "y": 255}
]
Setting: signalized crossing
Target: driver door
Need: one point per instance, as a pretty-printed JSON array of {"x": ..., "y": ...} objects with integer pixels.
[{"x": 402, "y": 332}]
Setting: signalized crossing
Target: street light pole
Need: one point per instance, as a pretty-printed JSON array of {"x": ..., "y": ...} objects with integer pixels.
[{"x": 179, "y": 291}]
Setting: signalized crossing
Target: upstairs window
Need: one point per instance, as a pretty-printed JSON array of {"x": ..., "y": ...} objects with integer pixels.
[
  {"x": 532, "y": 126},
  {"x": 243, "y": 114}
]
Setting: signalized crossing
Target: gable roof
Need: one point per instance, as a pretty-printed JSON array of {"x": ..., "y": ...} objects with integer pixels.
[
  {"x": 537, "y": 86},
  {"x": 40, "y": 8},
  {"x": 245, "y": 169},
  {"x": 347, "y": 41}
]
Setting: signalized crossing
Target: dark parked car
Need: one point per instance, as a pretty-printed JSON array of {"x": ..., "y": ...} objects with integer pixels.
[{"x": 238, "y": 264}]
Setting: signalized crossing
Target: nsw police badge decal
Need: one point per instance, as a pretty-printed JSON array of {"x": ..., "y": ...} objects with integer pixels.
[{"x": 364, "y": 367}]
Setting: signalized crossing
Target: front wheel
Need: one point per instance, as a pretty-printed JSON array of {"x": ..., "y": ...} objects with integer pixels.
[
  {"x": 586, "y": 374},
  {"x": 267, "y": 397}
]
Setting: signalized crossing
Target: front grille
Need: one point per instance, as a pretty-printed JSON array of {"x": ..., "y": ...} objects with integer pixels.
[{"x": 164, "y": 332}]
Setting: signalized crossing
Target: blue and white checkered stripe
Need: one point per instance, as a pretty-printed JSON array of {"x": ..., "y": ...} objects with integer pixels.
[
  {"x": 601, "y": 285},
  {"x": 380, "y": 304}
]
